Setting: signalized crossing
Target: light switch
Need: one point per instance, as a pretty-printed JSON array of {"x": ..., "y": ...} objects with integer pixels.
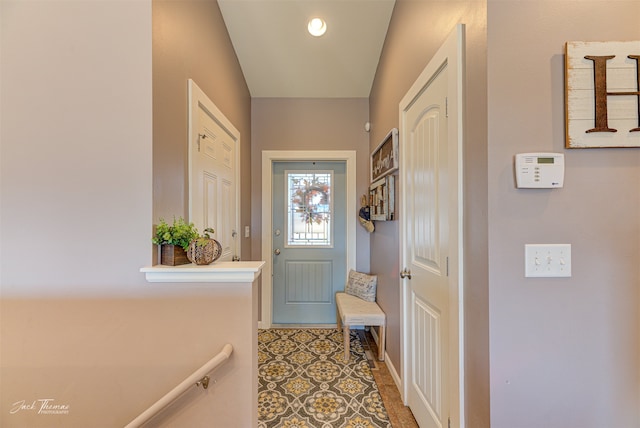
[
  {"x": 247, "y": 231},
  {"x": 547, "y": 260}
]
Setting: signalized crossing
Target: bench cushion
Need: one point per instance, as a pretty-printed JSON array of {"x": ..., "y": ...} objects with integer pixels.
[{"x": 355, "y": 311}]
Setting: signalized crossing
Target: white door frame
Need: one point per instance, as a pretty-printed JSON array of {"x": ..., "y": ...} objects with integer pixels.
[
  {"x": 452, "y": 54},
  {"x": 198, "y": 99},
  {"x": 268, "y": 158}
]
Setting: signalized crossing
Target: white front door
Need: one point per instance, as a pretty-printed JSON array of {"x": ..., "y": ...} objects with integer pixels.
[
  {"x": 213, "y": 172},
  {"x": 430, "y": 226}
]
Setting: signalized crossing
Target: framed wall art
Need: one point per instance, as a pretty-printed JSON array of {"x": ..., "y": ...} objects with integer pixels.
[
  {"x": 602, "y": 94},
  {"x": 384, "y": 159}
]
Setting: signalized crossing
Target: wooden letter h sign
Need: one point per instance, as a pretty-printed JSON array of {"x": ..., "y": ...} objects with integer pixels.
[{"x": 602, "y": 94}]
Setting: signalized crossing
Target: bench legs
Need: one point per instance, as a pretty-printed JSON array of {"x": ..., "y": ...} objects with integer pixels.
[
  {"x": 347, "y": 341},
  {"x": 381, "y": 339}
]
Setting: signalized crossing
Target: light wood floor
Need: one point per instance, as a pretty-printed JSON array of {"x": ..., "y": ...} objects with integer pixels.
[{"x": 399, "y": 415}]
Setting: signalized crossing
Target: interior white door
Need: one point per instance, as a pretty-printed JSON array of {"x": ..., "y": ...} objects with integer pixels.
[
  {"x": 430, "y": 249},
  {"x": 213, "y": 173}
]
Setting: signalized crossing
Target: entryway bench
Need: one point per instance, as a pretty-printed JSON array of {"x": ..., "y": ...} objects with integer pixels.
[{"x": 353, "y": 311}]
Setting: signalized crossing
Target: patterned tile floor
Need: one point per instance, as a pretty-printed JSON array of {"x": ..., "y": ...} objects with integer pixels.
[
  {"x": 399, "y": 415},
  {"x": 304, "y": 382}
]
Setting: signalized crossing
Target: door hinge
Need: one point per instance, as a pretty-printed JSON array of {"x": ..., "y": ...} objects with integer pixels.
[
  {"x": 447, "y": 266},
  {"x": 446, "y": 106}
]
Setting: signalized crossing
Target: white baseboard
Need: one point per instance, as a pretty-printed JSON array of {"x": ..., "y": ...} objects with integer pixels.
[
  {"x": 392, "y": 369},
  {"x": 394, "y": 375}
]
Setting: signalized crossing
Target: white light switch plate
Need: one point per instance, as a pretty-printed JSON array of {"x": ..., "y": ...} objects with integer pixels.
[{"x": 547, "y": 260}]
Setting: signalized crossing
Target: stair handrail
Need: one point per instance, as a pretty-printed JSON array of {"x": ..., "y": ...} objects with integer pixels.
[{"x": 195, "y": 379}]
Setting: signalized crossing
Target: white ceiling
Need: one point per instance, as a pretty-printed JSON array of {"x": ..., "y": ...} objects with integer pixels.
[{"x": 279, "y": 58}]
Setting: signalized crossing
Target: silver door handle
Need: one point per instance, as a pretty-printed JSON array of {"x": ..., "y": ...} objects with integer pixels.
[
  {"x": 405, "y": 274},
  {"x": 276, "y": 251}
]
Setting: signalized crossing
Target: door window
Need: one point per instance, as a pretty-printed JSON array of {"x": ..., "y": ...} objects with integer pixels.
[{"x": 309, "y": 208}]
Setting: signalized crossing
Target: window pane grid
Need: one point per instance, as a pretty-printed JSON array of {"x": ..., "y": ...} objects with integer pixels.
[{"x": 309, "y": 208}]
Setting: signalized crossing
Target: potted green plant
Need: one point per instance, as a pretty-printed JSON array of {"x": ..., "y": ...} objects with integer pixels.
[
  {"x": 174, "y": 240},
  {"x": 204, "y": 249}
]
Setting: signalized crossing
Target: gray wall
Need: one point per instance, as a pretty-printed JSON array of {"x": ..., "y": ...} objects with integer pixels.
[
  {"x": 310, "y": 124},
  {"x": 79, "y": 323},
  {"x": 190, "y": 41},
  {"x": 564, "y": 352},
  {"x": 76, "y": 147}
]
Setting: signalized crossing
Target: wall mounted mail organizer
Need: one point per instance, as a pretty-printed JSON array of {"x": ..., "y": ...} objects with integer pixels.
[{"x": 382, "y": 199}]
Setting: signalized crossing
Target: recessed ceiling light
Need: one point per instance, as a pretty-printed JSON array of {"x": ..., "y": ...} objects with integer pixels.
[{"x": 317, "y": 27}]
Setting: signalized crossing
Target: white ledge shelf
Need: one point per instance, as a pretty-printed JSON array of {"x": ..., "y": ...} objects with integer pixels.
[{"x": 216, "y": 272}]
